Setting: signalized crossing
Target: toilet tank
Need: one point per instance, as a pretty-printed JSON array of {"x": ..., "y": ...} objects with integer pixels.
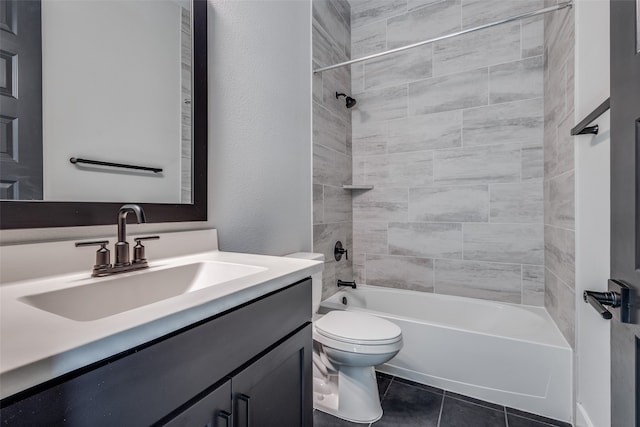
[{"x": 316, "y": 279}]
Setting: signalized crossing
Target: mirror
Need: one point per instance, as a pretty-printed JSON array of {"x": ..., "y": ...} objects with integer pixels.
[{"x": 135, "y": 97}]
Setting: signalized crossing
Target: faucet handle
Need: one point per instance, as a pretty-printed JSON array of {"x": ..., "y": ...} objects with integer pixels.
[
  {"x": 103, "y": 255},
  {"x": 138, "y": 249}
]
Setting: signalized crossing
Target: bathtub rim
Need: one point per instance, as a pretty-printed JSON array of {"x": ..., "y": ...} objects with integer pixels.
[{"x": 334, "y": 303}]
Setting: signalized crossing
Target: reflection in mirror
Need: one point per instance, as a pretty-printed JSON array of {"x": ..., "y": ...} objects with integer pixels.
[
  {"x": 136, "y": 96},
  {"x": 108, "y": 81}
]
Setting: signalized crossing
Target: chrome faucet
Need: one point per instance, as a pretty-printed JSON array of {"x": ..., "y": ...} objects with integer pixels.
[{"x": 123, "y": 263}]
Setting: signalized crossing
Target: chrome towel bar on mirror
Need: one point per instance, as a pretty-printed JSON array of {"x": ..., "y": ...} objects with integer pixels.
[{"x": 75, "y": 160}]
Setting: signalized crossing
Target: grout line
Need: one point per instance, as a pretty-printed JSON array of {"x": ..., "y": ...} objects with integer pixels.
[
  {"x": 441, "y": 409},
  {"x": 506, "y": 418}
]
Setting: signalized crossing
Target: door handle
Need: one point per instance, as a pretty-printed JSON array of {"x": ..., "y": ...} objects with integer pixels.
[
  {"x": 620, "y": 296},
  {"x": 246, "y": 399},
  {"x": 226, "y": 417},
  {"x": 599, "y": 299}
]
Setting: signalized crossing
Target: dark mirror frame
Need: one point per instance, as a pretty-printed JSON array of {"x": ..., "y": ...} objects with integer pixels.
[{"x": 40, "y": 214}]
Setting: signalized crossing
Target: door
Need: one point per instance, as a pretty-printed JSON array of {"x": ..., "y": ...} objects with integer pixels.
[
  {"x": 20, "y": 100},
  {"x": 625, "y": 206},
  {"x": 276, "y": 390}
]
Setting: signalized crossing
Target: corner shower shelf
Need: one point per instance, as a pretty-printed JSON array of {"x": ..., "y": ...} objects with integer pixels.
[{"x": 357, "y": 187}]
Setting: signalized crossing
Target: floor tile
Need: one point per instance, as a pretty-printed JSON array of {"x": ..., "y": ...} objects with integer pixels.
[
  {"x": 458, "y": 413},
  {"x": 383, "y": 383},
  {"x": 520, "y": 418},
  {"x": 408, "y": 406},
  {"x": 422, "y": 386},
  {"x": 322, "y": 419},
  {"x": 474, "y": 400}
]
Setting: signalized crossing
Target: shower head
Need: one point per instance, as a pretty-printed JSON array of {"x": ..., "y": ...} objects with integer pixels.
[{"x": 350, "y": 102}]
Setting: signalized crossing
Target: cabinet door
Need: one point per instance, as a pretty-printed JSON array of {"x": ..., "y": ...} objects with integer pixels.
[
  {"x": 213, "y": 410},
  {"x": 276, "y": 390}
]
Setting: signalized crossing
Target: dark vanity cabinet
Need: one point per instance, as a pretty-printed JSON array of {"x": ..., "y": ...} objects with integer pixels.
[{"x": 250, "y": 366}]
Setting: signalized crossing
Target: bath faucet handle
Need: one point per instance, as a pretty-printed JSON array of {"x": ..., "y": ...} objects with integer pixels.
[
  {"x": 103, "y": 255},
  {"x": 338, "y": 251},
  {"x": 138, "y": 249}
]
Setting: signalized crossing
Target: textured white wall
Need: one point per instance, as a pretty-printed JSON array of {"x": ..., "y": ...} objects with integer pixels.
[
  {"x": 260, "y": 126},
  {"x": 259, "y": 132},
  {"x": 592, "y": 213}
]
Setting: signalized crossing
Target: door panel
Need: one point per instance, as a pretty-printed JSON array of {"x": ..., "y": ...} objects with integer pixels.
[
  {"x": 625, "y": 207},
  {"x": 20, "y": 100}
]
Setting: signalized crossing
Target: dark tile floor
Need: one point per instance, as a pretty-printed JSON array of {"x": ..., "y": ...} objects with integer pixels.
[{"x": 410, "y": 404}]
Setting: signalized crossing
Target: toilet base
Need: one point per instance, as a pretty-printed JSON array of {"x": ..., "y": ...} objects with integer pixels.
[{"x": 351, "y": 395}]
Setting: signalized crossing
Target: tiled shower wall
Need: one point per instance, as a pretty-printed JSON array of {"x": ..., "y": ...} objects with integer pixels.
[
  {"x": 332, "y": 213},
  {"x": 559, "y": 182},
  {"x": 450, "y": 134}
]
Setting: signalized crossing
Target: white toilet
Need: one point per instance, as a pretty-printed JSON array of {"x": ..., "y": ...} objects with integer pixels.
[{"x": 347, "y": 345}]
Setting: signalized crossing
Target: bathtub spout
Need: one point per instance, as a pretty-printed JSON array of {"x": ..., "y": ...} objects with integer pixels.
[{"x": 343, "y": 283}]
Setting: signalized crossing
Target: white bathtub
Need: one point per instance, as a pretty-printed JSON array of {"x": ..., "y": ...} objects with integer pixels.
[{"x": 508, "y": 354}]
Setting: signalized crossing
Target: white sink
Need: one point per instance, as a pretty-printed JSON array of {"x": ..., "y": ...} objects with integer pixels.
[{"x": 117, "y": 294}]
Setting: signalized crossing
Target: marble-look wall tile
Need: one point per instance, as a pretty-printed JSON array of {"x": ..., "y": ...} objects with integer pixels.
[
  {"x": 337, "y": 204},
  {"x": 323, "y": 51},
  {"x": 326, "y": 16},
  {"x": 487, "y": 164},
  {"x": 366, "y": 11},
  {"x": 329, "y": 279},
  {"x": 559, "y": 300},
  {"x": 560, "y": 253},
  {"x": 452, "y": 92},
  {"x": 436, "y": 19},
  {"x": 400, "y": 272},
  {"x": 484, "y": 280},
  {"x": 381, "y": 204},
  {"x": 318, "y": 204},
  {"x": 317, "y": 85},
  {"x": 431, "y": 240},
  {"x": 532, "y": 36},
  {"x": 383, "y": 104},
  {"x": 514, "y": 243},
  {"x": 358, "y": 268},
  {"x": 368, "y": 39},
  {"x": 480, "y": 12},
  {"x": 398, "y": 68},
  {"x": 329, "y": 130},
  {"x": 516, "y": 80},
  {"x": 357, "y": 79},
  {"x": 532, "y": 162},
  {"x": 561, "y": 201},
  {"x": 565, "y": 146},
  {"x": 425, "y": 132},
  {"x": 330, "y": 167},
  {"x": 495, "y": 45},
  {"x": 369, "y": 138},
  {"x": 370, "y": 237},
  {"x": 533, "y": 285},
  {"x": 344, "y": 9},
  {"x": 358, "y": 171},
  {"x": 449, "y": 204},
  {"x": 515, "y": 122},
  {"x": 517, "y": 203},
  {"x": 402, "y": 169}
]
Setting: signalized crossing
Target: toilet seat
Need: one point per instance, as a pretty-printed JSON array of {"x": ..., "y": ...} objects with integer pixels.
[{"x": 360, "y": 329}]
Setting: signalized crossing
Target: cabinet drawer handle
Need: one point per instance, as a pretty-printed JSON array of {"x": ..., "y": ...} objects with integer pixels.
[
  {"x": 226, "y": 417},
  {"x": 246, "y": 399}
]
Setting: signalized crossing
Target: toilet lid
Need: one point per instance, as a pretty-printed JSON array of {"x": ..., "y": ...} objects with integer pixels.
[{"x": 356, "y": 327}]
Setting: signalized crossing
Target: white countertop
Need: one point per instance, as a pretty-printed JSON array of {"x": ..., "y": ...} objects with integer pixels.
[{"x": 36, "y": 345}]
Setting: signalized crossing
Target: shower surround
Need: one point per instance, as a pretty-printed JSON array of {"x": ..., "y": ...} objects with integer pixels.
[
  {"x": 332, "y": 214},
  {"x": 451, "y": 136}
]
